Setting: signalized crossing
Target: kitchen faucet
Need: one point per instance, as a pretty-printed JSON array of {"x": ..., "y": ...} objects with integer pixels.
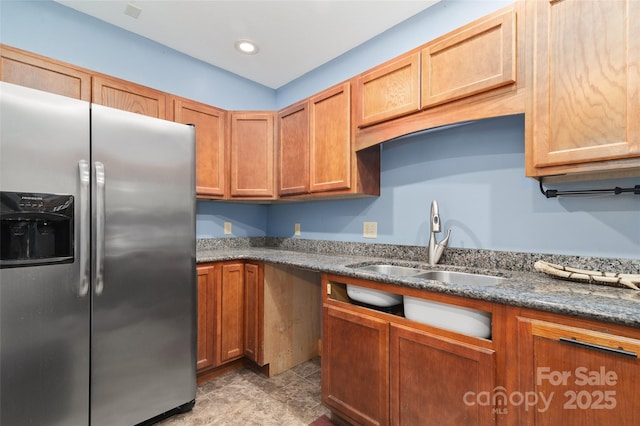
[{"x": 436, "y": 249}]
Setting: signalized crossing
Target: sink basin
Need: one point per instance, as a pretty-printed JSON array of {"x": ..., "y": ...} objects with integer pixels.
[
  {"x": 453, "y": 277},
  {"x": 373, "y": 297},
  {"x": 391, "y": 269},
  {"x": 462, "y": 320}
]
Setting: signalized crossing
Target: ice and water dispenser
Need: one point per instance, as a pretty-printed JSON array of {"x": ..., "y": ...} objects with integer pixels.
[{"x": 35, "y": 229}]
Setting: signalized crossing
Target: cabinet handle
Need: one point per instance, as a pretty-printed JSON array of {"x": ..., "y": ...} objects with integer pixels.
[{"x": 600, "y": 348}]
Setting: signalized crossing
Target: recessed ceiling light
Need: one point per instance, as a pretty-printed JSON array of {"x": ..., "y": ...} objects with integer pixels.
[{"x": 247, "y": 47}]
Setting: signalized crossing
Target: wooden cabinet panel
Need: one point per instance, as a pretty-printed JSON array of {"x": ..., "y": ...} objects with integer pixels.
[
  {"x": 253, "y": 312},
  {"x": 37, "y": 72},
  {"x": 355, "y": 365},
  {"x": 252, "y": 154},
  {"x": 291, "y": 316},
  {"x": 474, "y": 72},
  {"x": 206, "y": 318},
  {"x": 585, "y": 376},
  {"x": 230, "y": 326},
  {"x": 293, "y": 145},
  {"x": 472, "y": 60},
  {"x": 585, "y": 99},
  {"x": 330, "y": 139},
  {"x": 388, "y": 91},
  {"x": 432, "y": 378},
  {"x": 210, "y": 124},
  {"x": 127, "y": 96}
]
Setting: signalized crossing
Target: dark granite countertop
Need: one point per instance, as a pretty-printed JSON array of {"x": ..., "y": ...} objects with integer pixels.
[{"x": 520, "y": 288}]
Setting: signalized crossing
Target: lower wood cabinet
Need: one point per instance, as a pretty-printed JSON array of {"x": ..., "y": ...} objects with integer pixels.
[
  {"x": 268, "y": 314},
  {"x": 381, "y": 369},
  {"x": 230, "y": 318},
  {"x": 576, "y": 373},
  {"x": 436, "y": 380},
  {"x": 206, "y": 356},
  {"x": 254, "y": 312},
  {"x": 355, "y": 365},
  {"x": 220, "y": 314}
]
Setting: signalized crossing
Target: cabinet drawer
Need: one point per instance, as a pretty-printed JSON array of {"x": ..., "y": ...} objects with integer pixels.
[{"x": 473, "y": 60}]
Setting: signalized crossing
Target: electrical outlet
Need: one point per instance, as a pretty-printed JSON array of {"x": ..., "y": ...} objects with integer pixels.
[
  {"x": 296, "y": 229},
  {"x": 370, "y": 229},
  {"x": 227, "y": 228}
]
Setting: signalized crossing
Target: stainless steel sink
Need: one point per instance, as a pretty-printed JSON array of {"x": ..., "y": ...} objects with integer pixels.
[
  {"x": 464, "y": 278},
  {"x": 404, "y": 271}
]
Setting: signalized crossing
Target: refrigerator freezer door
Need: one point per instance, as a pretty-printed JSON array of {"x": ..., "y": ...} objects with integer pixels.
[
  {"x": 44, "y": 310},
  {"x": 144, "y": 295}
]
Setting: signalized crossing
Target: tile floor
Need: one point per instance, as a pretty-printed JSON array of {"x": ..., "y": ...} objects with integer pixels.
[{"x": 244, "y": 397}]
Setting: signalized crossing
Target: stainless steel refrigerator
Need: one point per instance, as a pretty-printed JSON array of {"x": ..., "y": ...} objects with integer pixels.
[{"x": 97, "y": 273}]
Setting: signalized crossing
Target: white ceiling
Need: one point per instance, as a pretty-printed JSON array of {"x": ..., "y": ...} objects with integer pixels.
[{"x": 294, "y": 36}]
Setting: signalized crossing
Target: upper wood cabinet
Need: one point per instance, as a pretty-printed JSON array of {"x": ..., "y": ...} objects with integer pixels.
[
  {"x": 388, "y": 91},
  {"x": 210, "y": 124},
  {"x": 471, "y": 60},
  {"x": 252, "y": 147},
  {"x": 584, "y": 65},
  {"x": 128, "y": 96},
  {"x": 317, "y": 157},
  {"x": 586, "y": 373},
  {"x": 37, "y": 72},
  {"x": 330, "y": 139},
  {"x": 293, "y": 148},
  {"x": 471, "y": 73}
]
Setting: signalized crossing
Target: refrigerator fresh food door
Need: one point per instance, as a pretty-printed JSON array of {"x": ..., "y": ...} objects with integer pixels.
[
  {"x": 144, "y": 294},
  {"x": 44, "y": 309}
]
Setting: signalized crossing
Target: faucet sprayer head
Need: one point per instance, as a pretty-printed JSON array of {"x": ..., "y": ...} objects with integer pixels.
[{"x": 435, "y": 217}]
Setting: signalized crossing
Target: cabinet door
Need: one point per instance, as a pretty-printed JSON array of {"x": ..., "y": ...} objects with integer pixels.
[
  {"x": 206, "y": 317},
  {"x": 252, "y": 151},
  {"x": 293, "y": 143},
  {"x": 434, "y": 378},
  {"x": 388, "y": 91},
  {"x": 586, "y": 82},
  {"x": 330, "y": 139},
  {"x": 475, "y": 59},
  {"x": 127, "y": 96},
  {"x": 585, "y": 377},
  {"x": 230, "y": 325},
  {"x": 210, "y": 140},
  {"x": 355, "y": 366},
  {"x": 253, "y": 312},
  {"x": 37, "y": 72}
]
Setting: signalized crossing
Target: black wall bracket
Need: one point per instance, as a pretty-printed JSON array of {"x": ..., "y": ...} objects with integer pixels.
[{"x": 552, "y": 193}]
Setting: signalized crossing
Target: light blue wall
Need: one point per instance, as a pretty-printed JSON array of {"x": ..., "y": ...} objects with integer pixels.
[
  {"x": 247, "y": 220},
  {"x": 438, "y": 20},
  {"x": 476, "y": 171},
  {"x": 50, "y": 29}
]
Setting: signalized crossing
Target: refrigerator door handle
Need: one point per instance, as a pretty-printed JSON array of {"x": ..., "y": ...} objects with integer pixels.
[
  {"x": 100, "y": 219},
  {"x": 85, "y": 241}
]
